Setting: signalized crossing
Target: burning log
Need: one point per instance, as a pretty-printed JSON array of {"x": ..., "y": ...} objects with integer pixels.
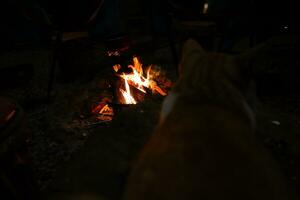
[
  {"x": 139, "y": 81},
  {"x": 128, "y": 95}
]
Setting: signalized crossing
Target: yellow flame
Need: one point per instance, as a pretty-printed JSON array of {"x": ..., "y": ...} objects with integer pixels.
[
  {"x": 128, "y": 98},
  {"x": 137, "y": 79}
]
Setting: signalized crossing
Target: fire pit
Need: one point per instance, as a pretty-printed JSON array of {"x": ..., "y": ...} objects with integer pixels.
[{"x": 131, "y": 86}]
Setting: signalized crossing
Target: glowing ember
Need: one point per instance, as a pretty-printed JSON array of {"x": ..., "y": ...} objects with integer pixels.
[{"x": 104, "y": 112}]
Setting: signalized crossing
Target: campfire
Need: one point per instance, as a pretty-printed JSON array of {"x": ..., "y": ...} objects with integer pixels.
[{"x": 131, "y": 88}]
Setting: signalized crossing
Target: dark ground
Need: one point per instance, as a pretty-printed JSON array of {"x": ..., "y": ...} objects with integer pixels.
[{"x": 71, "y": 156}]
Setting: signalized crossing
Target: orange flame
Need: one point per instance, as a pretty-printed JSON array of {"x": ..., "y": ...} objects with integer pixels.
[{"x": 139, "y": 81}]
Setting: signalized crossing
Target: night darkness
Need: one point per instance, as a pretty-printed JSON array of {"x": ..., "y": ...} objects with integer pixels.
[{"x": 77, "y": 123}]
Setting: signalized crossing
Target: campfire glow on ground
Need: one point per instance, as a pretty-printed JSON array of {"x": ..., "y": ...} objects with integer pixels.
[{"x": 138, "y": 79}]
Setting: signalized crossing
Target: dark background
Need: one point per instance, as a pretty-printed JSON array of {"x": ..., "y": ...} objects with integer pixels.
[{"x": 56, "y": 43}]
